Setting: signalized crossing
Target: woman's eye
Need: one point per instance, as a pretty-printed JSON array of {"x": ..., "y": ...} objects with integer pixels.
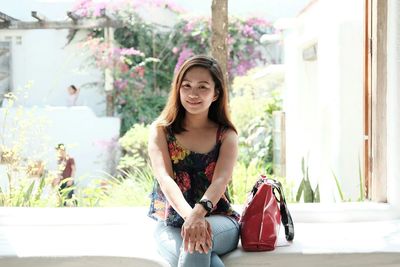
[{"x": 185, "y": 86}]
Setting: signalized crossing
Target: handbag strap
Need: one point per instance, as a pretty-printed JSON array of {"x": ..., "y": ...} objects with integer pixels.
[{"x": 287, "y": 220}]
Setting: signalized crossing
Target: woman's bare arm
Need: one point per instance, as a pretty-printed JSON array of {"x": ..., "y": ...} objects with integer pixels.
[
  {"x": 162, "y": 169},
  {"x": 222, "y": 175},
  {"x": 223, "y": 169}
]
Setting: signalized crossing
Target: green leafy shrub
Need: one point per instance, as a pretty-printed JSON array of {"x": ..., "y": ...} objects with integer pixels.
[
  {"x": 131, "y": 190},
  {"x": 134, "y": 148},
  {"x": 257, "y": 99},
  {"x": 24, "y": 182},
  {"x": 244, "y": 178}
]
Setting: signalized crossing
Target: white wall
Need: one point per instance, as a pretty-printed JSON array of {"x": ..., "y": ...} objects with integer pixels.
[
  {"x": 88, "y": 139},
  {"x": 393, "y": 103},
  {"x": 42, "y": 57},
  {"x": 323, "y": 98}
]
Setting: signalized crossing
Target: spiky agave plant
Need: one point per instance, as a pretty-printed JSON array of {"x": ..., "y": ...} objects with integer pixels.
[{"x": 305, "y": 188}]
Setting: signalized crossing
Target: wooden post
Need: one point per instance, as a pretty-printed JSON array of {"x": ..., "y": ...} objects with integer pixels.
[
  {"x": 367, "y": 100},
  {"x": 219, "y": 34},
  {"x": 378, "y": 184}
]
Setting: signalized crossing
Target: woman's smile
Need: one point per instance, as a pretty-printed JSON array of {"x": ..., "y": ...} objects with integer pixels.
[{"x": 194, "y": 103}]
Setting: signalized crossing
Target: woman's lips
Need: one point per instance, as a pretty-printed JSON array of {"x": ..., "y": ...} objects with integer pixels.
[{"x": 193, "y": 103}]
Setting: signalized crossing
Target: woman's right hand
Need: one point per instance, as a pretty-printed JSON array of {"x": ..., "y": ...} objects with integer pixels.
[{"x": 196, "y": 234}]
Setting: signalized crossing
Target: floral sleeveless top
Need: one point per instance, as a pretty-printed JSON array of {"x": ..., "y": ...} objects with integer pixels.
[{"x": 193, "y": 173}]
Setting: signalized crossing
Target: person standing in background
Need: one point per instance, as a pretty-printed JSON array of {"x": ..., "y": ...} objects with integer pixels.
[
  {"x": 73, "y": 94},
  {"x": 66, "y": 172}
]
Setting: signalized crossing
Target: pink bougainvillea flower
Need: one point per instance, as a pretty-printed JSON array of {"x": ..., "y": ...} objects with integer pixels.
[
  {"x": 124, "y": 68},
  {"x": 121, "y": 84},
  {"x": 130, "y": 52},
  {"x": 189, "y": 26},
  {"x": 257, "y": 21},
  {"x": 175, "y": 50},
  {"x": 248, "y": 31},
  {"x": 185, "y": 54},
  {"x": 98, "y": 8},
  {"x": 82, "y": 4},
  {"x": 140, "y": 71}
]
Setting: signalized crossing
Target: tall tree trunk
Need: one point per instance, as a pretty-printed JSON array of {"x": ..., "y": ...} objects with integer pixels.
[{"x": 219, "y": 34}]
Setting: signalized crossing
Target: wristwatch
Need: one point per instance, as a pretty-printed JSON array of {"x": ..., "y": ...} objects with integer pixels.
[{"x": 207, "y": 205}]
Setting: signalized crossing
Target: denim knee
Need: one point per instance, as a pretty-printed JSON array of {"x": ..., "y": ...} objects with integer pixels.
[{"x": 195, "y": 259}]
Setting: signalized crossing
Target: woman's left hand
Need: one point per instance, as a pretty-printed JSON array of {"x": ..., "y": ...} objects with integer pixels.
[{"x": 196, "y": 234}]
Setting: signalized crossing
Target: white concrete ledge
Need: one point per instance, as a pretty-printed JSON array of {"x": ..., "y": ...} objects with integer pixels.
[
  {"x": 89, "y": 237},
  {"x": 85, "y": 261}
]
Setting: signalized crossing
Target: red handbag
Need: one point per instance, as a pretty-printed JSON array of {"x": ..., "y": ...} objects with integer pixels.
[{"x": 264, "y": 211}]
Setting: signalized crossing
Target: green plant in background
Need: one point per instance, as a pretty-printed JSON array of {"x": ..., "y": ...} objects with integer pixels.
[
  {"x": 244, "y": 178},
  {"x": 339, "y": 188},
  {"x": 258, "y": 97},
  {"x": 134, "y": 181},
  {"x": 255, "y": 139},
  {"x": 288, "y": 186},
  {"x": 131, "y": 190},
  {"x": 23, "y": 181},
  {"x": 134, "y": 148},
  {"x": 305, "y": 188},
  {"x": 126, "y": 189},
  {"x": 26, "y": 193}
]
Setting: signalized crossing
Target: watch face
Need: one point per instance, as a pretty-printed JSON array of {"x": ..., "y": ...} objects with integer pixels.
[{"x": 209, "y": 204}]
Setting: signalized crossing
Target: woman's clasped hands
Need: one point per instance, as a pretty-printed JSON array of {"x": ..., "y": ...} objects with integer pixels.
[{"x": 196, "y": 234}]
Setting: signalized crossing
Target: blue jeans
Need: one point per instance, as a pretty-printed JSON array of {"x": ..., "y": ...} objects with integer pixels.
[{"x": 225, "y": 238}]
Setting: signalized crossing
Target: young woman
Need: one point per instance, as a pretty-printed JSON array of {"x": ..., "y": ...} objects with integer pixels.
[{"x": 193, "y": 149}]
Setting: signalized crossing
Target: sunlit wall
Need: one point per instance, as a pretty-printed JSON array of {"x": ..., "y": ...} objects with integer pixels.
[{"x": 323, "y": 98}]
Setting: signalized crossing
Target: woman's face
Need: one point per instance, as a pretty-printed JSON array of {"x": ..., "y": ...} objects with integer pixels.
[
  {"x": 197, "y": 91},
  {"x": 71, "y": 90}
]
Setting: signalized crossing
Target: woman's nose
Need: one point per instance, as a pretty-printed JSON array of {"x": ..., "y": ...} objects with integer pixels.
[{"x": 193, "y": 92}]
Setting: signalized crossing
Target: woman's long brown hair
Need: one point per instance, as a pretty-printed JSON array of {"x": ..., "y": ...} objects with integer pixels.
[{"x": 174, "y": 113}]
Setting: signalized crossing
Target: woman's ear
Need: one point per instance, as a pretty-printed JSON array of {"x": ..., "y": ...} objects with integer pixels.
[{"x": 216, "y": 95}]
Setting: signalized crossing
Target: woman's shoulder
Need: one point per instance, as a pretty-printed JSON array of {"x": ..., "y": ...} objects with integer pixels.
[
  {"x": 227, "y": 133},
  {"x": 156, "y": 130}
]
